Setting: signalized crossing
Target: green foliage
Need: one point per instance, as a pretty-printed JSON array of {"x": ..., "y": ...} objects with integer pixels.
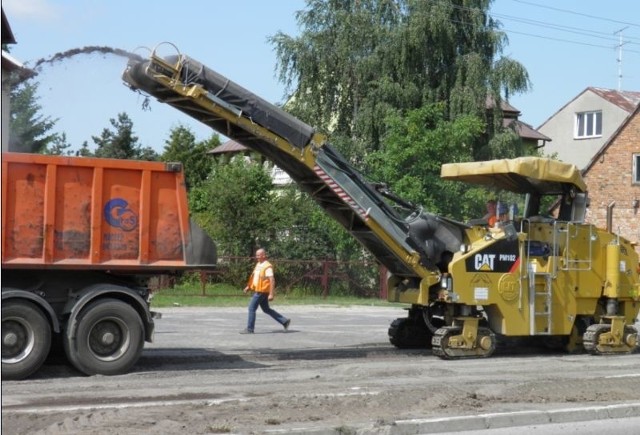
[
  {"x": 358, "y": 61},
  {"x": 344, "y": 246},
  {"x": 84, "y": 150},
  {"x": 402, "y": 86},
  {"x": 303, "y": 230},
  {"x": 120, "y": 142},
  {"x": 415, "y": 147},
  {"x": 30, "y": 131},
  {"x": 199, "y": 200},
  {"x": 238, "y": 198},
  {"x": 182, "y": 147},
  {"x": 241, "y": 210},
  {"x": 504, "y": 144},
  {"x": 59, "y": 146}
]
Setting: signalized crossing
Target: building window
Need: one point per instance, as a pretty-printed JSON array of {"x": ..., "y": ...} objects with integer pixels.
[
  {"x": 636, "y": 169},
  {"x": 588, "y": 124}
]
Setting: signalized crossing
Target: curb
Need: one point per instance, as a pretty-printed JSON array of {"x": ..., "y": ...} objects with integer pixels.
[{"x": 478, "y": 422}]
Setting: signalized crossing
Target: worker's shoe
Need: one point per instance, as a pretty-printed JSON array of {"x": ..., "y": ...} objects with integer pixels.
[
  {"x": 286, "y": 324},
  {"x": 246, "y": 331}
]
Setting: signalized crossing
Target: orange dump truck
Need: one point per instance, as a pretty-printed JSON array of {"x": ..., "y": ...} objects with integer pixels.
[{"x": 81, "y": 237}]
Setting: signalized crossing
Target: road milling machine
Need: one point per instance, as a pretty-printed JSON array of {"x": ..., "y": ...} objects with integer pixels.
[{"x": 466, "y": 285}]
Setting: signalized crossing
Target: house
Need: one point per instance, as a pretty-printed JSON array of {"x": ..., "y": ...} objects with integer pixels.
[
  {"x": 530, "y": 137},
  {"x": 613, "y": 179},
  {"x": 583, "y": 126},
  {"x": 599, "y": 132}
]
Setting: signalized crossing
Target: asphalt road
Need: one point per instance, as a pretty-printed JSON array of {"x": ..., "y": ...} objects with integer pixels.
[{"x": 333, "y": 372}]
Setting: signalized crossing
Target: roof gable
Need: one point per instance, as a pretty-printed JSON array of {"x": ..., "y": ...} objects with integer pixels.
[
  {"x": 230, "y": 146},
  {"x": 524, "y": 130},
  {"x": 626, "y": 100}
]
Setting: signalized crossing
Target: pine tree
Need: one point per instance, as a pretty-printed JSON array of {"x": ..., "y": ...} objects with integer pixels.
[
  {"x": 120, "y": 142},
  {"x": 59, "y": 146},
  {"x": 31, "y": 132},
  {"x": 182, "y": 147}
]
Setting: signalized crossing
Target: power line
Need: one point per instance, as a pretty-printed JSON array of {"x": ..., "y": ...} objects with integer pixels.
[
  {"x": 563, "y": 28},
  {"x": 577, "y": 13},
  {"x": 559, "y": 27},
  {"x": 588, "y": 33},
  {"x": 609, "y": 47},
  {"x": 614, "y": 44}
]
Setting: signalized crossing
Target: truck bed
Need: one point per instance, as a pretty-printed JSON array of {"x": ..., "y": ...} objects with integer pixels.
[{"x": 89, "y": 213}]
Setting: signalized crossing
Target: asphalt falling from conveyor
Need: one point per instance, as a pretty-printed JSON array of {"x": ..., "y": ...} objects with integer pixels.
[
  {"x": 85, "y": 50},
  {"x": 88, "y": 50}
]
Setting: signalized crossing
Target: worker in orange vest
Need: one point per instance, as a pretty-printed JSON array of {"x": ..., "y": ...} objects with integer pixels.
[
  {"x": 491, "y": 216},
  {"x": 263, "y": 284}
]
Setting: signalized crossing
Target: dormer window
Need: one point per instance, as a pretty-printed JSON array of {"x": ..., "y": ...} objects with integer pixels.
[{"x": 588, "y": 124}]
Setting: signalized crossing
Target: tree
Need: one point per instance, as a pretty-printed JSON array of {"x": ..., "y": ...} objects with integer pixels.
[
  {"x": 414, "y": 148},
  {"x": 30, "y": 131},
  {"x": 238, "y": 207},
  {"x": 358, "y": 61},
  {"x": 120, "y": 143},
  {"x": 59, "y": 146},
  {"x": 302, "y": 230},
  {"x": 84, "y": 150},
  {"x": 182, "y": 147}
]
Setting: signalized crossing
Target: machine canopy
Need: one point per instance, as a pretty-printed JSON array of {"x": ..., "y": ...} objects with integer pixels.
[{"x": 522, "y": 175}]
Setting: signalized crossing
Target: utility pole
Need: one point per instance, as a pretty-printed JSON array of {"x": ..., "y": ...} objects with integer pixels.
[{"x": 620, "y": 44}]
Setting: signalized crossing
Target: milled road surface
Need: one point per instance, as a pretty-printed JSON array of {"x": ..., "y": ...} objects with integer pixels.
[{"x": 333, "y": 372}]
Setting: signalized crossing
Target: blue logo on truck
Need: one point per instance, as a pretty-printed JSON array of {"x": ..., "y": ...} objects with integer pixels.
[{"x": 118, "y": 214}]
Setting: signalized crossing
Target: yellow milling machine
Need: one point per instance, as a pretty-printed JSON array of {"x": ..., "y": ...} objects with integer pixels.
[{"x": 557, "y": 280}]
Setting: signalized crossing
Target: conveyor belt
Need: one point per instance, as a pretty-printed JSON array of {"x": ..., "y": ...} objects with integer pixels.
[{"x": 294, "y": 147}]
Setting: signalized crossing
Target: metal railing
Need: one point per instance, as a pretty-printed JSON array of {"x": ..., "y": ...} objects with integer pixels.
[{"x": 321, "y": 277}]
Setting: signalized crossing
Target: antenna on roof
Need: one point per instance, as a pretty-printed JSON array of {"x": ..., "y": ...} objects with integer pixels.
[{"x": 620, "y": 44}]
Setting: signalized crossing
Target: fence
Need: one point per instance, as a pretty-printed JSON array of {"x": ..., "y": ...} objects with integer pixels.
[{"x": 363, "y": 278}]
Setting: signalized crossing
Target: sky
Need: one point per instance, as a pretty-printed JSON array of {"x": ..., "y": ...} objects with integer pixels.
[{"x": 565, "y": 46}]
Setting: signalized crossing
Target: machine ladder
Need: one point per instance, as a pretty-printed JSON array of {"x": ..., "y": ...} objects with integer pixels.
[{"x": 540, "y": 303}]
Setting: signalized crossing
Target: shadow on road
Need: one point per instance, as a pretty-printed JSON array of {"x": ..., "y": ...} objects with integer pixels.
[{"x": 185, "y": 359}]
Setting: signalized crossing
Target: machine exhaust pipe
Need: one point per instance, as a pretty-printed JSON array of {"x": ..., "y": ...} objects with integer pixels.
[{"x": 610, "y": 216}]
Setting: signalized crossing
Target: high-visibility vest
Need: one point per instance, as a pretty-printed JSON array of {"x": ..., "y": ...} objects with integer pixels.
[{"x": 263, "y": 281}]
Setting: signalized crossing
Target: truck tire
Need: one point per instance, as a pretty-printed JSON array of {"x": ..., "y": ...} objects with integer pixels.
[
  {"x": 108, "y": 339},
  {"x": 26, "y": 339}
]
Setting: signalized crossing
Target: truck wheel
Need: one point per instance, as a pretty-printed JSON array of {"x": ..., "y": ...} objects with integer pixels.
[
  {"x": 26, "y": 339},
  {"x": 109, "y": 338}
]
